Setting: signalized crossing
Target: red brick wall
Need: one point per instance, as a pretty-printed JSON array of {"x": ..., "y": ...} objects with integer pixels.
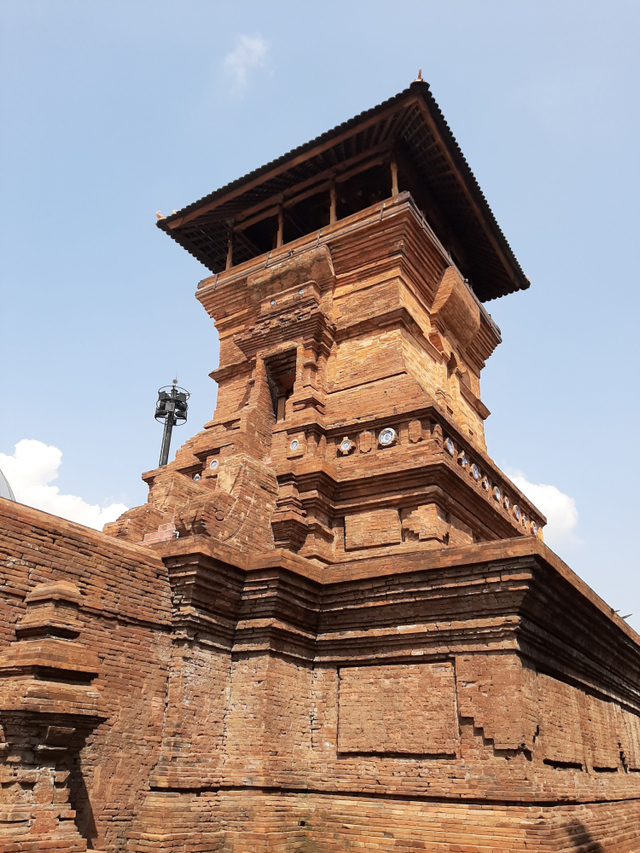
[
  {"x": 274, "y": 712},
  {"x": 262, "y": 822},
  {"x": 125, "y": 617}
]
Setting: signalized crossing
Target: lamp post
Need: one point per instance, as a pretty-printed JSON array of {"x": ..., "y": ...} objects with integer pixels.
[{"x": 171, "y": 408}]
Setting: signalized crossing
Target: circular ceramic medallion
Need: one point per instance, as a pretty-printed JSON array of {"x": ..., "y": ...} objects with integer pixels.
[
  {"x": 507, "y": 503},
  {"x": 294, "y": 444},
  {"x": 345, "y": 445},
  {"x": 196, "y": 477},
  {"x": 534, "y": 528},
  {"x": 449, "y": 446},
  {"x": 475, "y": 471},
  {"x": 516, "y": 512},
  {"x": 213, "y": 464},
  {"x": 387, "y": 436},
  {"x": 496, "y": 493},
  {"x": 301, "y": 291}
]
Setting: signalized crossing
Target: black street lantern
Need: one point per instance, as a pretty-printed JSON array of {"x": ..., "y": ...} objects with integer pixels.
[{"x": 172, "y": 409}]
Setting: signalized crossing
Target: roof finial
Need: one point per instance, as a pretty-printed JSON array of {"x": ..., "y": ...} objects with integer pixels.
[{"x": 419, "y": 77}]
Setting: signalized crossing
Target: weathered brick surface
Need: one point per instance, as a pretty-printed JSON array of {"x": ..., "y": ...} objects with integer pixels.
[
  {"x": 266, "y": 822},
  {"x": 361, "y": 331},
  {"x": 123, "y": 620},
  {"x": 398, "y": 709},
  {"x": 397, "y": 702},
  {"x": 342, "y": 629}
]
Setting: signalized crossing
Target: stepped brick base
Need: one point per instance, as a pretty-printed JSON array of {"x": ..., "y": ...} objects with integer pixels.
[
  {"x": 178, "y": 702},
  {"x": 278, "y": 823}
]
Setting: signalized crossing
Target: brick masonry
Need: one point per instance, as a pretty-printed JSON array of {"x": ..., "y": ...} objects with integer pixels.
[
  {"x": 272, "y": 704},
  {"x": 334, "y": 625}
]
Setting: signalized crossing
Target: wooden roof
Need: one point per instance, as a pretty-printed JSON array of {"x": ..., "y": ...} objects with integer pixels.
[{"x": 410, "y": 121}]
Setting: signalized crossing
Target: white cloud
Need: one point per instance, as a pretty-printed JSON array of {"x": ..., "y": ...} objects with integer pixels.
[
  {"x": 560, "y": 509},
  {"x": 249, "y": 52},
  {"x": 30, "y": 471}
]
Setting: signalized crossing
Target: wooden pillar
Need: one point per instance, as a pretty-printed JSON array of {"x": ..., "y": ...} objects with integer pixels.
[
  {"x": 394, "y": 177},
  {"x": 280, "y": 235},
  {"x": 333, "y": 196},
  {"x": 229, "y": 249}
]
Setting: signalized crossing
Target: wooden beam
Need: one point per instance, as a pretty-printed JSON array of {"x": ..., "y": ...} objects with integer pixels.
[
  {"x": 242, "y": 222},
  {"x": 470, "y": 193},
  {"x": 301, "y": 158},
  {"x": 317, "y": 183}
]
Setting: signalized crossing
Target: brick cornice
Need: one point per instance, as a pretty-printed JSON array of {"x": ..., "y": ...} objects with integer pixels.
[{"x": 512, "y": 595}]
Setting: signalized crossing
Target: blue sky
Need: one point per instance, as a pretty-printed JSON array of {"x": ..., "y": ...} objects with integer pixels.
[{"x": 113, "y": 110}]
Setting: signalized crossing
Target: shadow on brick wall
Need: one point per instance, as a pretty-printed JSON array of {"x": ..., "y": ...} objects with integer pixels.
[
  {"x": 79, "y": 800},
  {"x": 581, "y": 839}
]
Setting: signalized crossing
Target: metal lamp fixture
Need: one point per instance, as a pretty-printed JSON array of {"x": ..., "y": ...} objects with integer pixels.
[{"x": 171, "y": 408}]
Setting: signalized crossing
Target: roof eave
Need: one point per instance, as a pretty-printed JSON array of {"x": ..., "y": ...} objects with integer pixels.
[{"x": 434, "y": 117}]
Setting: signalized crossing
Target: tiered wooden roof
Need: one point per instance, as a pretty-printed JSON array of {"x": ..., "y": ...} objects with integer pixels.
[{"x": 408, "y": 129}]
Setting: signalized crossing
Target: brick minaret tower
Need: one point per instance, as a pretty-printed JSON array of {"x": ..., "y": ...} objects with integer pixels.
[
  {"x": 347, "y": 291},
  {"x": 334, "y": 625}
]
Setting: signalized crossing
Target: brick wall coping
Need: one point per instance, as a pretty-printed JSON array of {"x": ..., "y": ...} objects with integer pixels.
[
  {"x": 116, "y": 578},
  {"x": 506, "y": 550}
]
